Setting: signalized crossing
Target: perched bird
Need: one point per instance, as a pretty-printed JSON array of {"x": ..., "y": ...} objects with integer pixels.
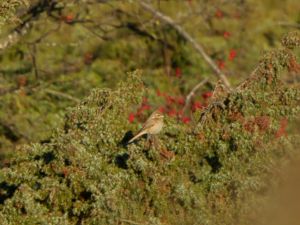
[{"x": 152, "y": 126}]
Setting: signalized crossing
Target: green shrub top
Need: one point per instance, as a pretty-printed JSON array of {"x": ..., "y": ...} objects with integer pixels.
[{"x": 85, "y": 175}]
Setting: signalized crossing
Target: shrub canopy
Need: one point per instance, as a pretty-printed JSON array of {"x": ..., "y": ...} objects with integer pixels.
[{"x": 220, "y": 166}]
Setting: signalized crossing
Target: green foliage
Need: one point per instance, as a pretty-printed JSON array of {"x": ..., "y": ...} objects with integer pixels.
[
  {"x": 84, "y": 175},
  {"x": 51, "y": 50},
  {"x": 214, "y": 170},
  {"x": 8, "y": 8}
]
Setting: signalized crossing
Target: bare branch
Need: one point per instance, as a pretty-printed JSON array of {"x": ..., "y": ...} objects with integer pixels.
[
  {"x": 63, "y": 95},
  {"x": 131, "y": 222},
  {"x": 27, "y": 17},
  {"x": 33, "y": 58},
  {"x": 11, "y": 132},
  {"x": 192, "y": 93},
  {"x": 189, "y": 38},
  {"x": 287, "y": 24},
  {"x": 250, "y": 79}
]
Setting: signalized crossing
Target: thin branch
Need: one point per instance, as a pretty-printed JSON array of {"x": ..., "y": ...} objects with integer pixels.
[
  {"x": 250, "y": 79},
  {"x": 192, "y": 93},
  {"x": 27, "y": 18},
  {"x": 189, "y": 38},
  {"x": 38, "y": 87},
  {"x": 8, "y": 91},
  {"x": 63, "y": 95},
  {"x": 11, "y": 132},
  {"x": 33, "y": 58},
  {"x": 92, "y": 30},
  {"x": 239, "y": 88},
  {"x": 46, "y": 34},
  {"x": 131, "y": 222},
  {"x": 287, "y": 24}
]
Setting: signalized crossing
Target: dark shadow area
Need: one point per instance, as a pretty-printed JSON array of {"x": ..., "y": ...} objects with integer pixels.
[
  {"x": 128, "y": 135},
  {"x": 67, "y": 162},
  {"x": 86, "y": 195},
  {"x": 37, "y": 186},
  {"x": 9, "y": 131},
  {"x": 232, "y": 145},
  {"x": 47, "y": 157},
  {"x": 194, "y": 178},
  {"x": 6, "y": 191},
  {"x": 46, "y": 141},
  {"x": 214, "y": 163},
  {"x": 121, "y": 160}
]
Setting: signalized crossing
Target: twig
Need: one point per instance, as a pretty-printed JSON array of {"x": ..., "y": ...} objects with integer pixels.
[
  {"x": 63, "y": 95},
  {"x": 92, "y": 30},
  {"x": 11, "y": 132},
  {"x": 246, "y": 82},
  {"x": 131, "y": 222},
  {"x": 33, "y": 58},
  {"x": 27, "y": 17},
  {"x": 287, "y": 24},
  {"x": 14, "y": 37},
  {"x": 44, "y": 35},
  {"x": 192, "y": 93},
  {"x": 38, "y": 87},
  {"x": 189, "y": 38}
]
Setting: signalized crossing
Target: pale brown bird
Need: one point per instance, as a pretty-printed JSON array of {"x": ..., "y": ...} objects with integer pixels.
[{"x": 152, "y": 126}]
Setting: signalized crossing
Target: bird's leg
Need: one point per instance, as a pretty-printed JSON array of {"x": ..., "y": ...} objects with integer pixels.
[
  {"x": 152, "y": 140},
  {"x": 156, "y": 142},
  {"x": 148, "y": 141}
]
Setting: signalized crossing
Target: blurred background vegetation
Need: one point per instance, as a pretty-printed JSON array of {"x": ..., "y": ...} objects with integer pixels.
[{"x": 54, "y": 53}]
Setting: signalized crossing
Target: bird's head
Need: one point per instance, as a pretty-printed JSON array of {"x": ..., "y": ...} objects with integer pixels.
[{"x": 157, "y": 114}]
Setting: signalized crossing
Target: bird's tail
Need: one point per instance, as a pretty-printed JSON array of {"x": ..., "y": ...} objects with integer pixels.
[{"x": 142, "y": 132}]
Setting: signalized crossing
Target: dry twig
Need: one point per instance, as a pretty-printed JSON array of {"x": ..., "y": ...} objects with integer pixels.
[
  {"x": 189, "y": 38},
  {"x": 192, "y": 93},
  {"x": 63, "y": 95},
  {"x": 131, "y": 222}
]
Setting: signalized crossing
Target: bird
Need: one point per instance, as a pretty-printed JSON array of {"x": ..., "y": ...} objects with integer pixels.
[{"x": 152, "y": 126}]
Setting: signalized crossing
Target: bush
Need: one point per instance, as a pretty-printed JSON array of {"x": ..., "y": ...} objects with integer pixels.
[{"x": 221, "y": 162}]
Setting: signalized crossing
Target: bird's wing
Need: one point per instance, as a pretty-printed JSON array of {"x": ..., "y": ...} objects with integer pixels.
[{"x": 149, "y": 123}]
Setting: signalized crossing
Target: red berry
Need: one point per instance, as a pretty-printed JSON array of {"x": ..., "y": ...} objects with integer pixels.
[
  {"x": 207, "y": 95},
  {"x": 170, "y": 100},
  {"x": 180, "y": 113},
  {"x": 221, "y": 64},
  {"x": 219, "y": 13},
  {"x": 178, "y": 72},
  {"x": 68, "y": 18},
  {"x": 88, "y": 58},
  {"x": 232, "y": 54},
  {"x": 282, "y": 129},
  {"x": 145, "y": 107},
  {"x": 158, "y": 93},
  {"x": 21, "y": 80},
  {"x": 186, "y": 119},
  {"x": 131, "y": 117},
  {"x": 162, "y": 109},
  {"x": 172, "y": 113},
  {"x": 226, "y": 34},
  {"x": 181, "y": 100},
  {"x": 196, "y": 105}
]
